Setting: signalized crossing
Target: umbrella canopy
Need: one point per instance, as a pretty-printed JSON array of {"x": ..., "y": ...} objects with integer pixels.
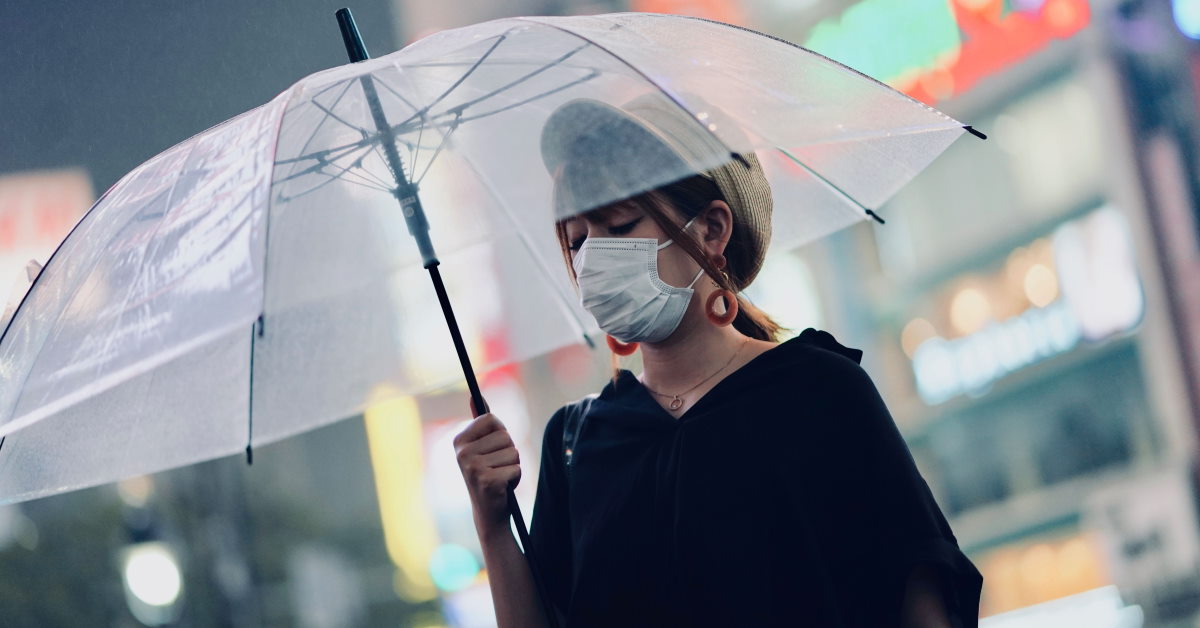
[{"x": 259, "y": 279}]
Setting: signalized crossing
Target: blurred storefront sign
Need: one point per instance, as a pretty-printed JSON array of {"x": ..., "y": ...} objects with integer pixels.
[
  {"x": 935, "y": 49},
  {"x": 1099, "y": 608},
  {"x": 1078, "y": 285},
  {"x": 37, "y": 210},
  {"x": 1151, "y": 539},
  {"x": 1032, "y": 572}
]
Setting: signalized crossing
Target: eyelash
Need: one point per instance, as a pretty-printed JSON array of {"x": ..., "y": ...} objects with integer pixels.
[{"x": 617, "y": 230}]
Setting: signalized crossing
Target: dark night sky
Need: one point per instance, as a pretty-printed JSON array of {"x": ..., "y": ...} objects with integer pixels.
[{"x": 107, "y": 85}]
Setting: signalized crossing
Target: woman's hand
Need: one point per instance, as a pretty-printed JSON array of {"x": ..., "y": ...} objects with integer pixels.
[{"x": 489, "y": 462}]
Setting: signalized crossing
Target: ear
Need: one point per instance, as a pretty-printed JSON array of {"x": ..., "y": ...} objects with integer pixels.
[{"x": 717, "y": 219}]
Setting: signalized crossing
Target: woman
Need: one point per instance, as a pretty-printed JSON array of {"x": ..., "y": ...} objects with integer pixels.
[{"x": 737, "y": 481}]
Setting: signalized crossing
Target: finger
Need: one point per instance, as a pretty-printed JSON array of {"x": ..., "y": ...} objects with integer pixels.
[
  {"x": 501, "y": 458},
  {"x": 494, "y": 441},
  {"x": 506, "y": 476},
  {"x": 479, "y": 427}
]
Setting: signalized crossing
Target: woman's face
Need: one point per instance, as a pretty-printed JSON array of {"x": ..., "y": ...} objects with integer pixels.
[{"x": 627, "y": 220}]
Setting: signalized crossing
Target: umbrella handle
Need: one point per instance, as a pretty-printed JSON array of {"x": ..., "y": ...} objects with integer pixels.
[{"x": 479, "y": 406}]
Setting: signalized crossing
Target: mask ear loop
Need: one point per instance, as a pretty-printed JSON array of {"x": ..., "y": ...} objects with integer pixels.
[{"x": 672, "y": 241}]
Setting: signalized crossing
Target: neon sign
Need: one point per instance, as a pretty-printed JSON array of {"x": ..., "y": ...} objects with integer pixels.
[{"x": 934, "y": 49}]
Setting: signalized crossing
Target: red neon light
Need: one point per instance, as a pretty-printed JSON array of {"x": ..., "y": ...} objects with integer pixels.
[{"x": 991, "y": 43}]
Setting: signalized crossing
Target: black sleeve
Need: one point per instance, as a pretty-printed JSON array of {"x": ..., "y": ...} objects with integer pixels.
[
  {"x": 550, "y": 525},
  {"x": 883, "y": 516}
]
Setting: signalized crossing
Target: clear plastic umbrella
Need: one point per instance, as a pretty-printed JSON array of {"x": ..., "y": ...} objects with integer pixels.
[{"x": 264, "y": 277}]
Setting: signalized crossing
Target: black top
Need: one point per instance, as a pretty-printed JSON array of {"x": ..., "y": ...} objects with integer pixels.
[{"x": 784, "y": 497}]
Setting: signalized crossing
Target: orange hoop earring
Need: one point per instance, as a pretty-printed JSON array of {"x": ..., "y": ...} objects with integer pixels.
[
  {"x": 731, "y": 307},
  {"x": 621, "y": 348}
]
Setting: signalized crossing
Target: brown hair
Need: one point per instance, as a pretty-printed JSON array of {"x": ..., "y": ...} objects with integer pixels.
[{"x": 690, "y": 196}]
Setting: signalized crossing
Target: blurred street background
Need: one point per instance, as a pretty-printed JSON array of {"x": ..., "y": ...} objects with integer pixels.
[{"x": 1030, "y": 312}]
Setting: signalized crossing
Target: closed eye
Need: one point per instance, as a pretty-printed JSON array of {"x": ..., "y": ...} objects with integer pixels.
[{"x": 625, "y": 228}]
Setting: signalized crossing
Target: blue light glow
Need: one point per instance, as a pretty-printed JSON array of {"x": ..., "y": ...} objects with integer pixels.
[
  {"x": 453, "y": 567},
  {"x": 1187, "y": 17}
]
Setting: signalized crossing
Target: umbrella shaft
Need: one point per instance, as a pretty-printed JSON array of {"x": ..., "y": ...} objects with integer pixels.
[
  {"x": 463, "y": 359},
  {"x": 418, "y": 227}
]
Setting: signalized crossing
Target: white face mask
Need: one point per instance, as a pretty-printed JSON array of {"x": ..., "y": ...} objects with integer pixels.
[{"x": 619, "y": 285}]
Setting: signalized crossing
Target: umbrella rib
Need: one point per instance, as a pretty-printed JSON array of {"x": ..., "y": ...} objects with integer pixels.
[
  {"x": 524, "y": 239},
  {"x": 687, "y": 112},
  {"x": 399, "y": 95},
  {"x": 322, "y": 158},
  {"x": 375, "y": 181},
  {"x": 866, "y": 210},
  {"x": 434, "y": 156},
  {"x": 330, "y": 87},
  {"x": 363, "y": 173},
  {"x": 345, "y": 89},
  {"x": 459, "y": 108},
  {"x": 323, "y": 155},
  {"x": 357, "y": 170},
  {"x": 333, "y": 115},
  {"x": 331, "y": 179},
  {"x": 413, "y": 149},
  {"x": 421, "y": 113},
  {"x": 459, "y": 120},
  {"x": 375, "y": 149},
  {"x": 544, "y": 94}
]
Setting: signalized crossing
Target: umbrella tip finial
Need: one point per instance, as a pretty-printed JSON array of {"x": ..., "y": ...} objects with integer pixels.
[
  {"x": 249, "y": 455},
  {"x": 355, "y": 48}
]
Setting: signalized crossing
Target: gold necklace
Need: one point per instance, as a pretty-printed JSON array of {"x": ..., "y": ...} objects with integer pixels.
[{"x": 676, "y": 402}]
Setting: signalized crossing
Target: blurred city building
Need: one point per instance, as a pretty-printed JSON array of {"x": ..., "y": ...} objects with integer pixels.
[{"x": 1030, "y": 312}]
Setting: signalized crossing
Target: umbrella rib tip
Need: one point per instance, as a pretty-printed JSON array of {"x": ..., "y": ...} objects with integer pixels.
[{"x": 976, "y": 132}]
